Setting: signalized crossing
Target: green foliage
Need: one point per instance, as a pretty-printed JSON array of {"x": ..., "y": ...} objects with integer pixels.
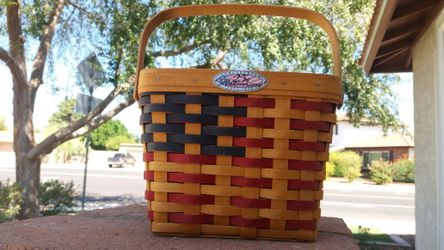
[
  {"x": 381, "y": 172},
  {"x": 113, "y": 130},
  {"x": 367, "y": 236},
  {"x": 346, "y": 164},
  {"x": 3, "y": 126},
  {"x": 404, "y": 171},
  {"x": 66, "y": 151},
  {"x": 62, "y": 117},
  {"x": 334, "y": 161},
  {"x": 65, "y": 113},
  {"x": 329, "y": 169},
  {"x": 35, "y": 16},
  {"x": 258, "y": 42},
  {"x": 56, "y": 197},
  {"x": 11, "y": 197},
  {"x": 113, "y": 143}
]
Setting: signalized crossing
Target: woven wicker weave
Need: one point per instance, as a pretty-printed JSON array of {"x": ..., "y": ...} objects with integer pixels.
[{"x": 236, "y": 164}]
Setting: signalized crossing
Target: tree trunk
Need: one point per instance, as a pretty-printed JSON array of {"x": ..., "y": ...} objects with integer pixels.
[
  {"x": 27, "y": 169},
  {"x": 28, "y": 176}
]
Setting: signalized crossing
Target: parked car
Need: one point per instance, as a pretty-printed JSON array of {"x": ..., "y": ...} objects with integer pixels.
[{"x": 121, "y": 160}]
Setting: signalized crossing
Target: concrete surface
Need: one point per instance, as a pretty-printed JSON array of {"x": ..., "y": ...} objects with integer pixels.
[{"x": 127, "y": 228}]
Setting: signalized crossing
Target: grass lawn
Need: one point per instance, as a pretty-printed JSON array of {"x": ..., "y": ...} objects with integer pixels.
[{"x": 368, "y": 235}]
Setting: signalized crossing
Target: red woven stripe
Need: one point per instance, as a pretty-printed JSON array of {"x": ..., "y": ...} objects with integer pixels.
[
  {"x": 148, "y": 156},
  {"x": 149, "y": 195},
  {"x": 301, "y": 205},
  {"x": 254, "y": 122},
  {"x": 250, "y": 203},
  {"x": 191, "y": 199},
  {"x": 251, "y": 182},
  {"x": 192, "y": 159},
  {"x": 303, "y": 185},
  {"x": 254, "y": 143},
  {"x": 308, "y": 146},
  {"x": 190, "y": 219},
  {"x": 191, "y": 178},
  {"x": 310, "y": 125},
  {"x": 317, "y": 106},
  {"x": 305, "y": 165},
  {"x": 148, "y": 175},
  {"x": 253, "y": 162},
  {"x": 244, "y": 222},
  {"x": 301, "y": 224},
  {"x": 254, "y": 102}
]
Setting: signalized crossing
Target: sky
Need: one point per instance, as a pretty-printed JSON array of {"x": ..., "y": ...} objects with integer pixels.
[{"x": 47, "y": 99}]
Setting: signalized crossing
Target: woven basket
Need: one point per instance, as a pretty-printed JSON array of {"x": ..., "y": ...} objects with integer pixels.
[{"x": 226, "y": 161}]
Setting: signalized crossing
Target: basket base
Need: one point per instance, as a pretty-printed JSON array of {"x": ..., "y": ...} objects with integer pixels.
[{"x": 233, "y": 232}]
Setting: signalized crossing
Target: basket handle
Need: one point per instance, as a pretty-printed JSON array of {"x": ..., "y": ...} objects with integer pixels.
[{"x": 236, "y": 9}]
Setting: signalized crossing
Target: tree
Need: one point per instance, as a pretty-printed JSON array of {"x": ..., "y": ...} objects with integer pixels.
[
  {"x": 221, "y": 42},
  {"x": 111, "y": 130},
  {"x": 62, "y": 117},
  {"x": 39, "y": 21}
]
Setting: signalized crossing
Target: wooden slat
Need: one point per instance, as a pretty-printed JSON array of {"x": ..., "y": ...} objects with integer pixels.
[{"x": 401, "y": 33}]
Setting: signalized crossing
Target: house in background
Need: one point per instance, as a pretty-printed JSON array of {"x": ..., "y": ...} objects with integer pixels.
[
  {"x": 371, "y": 142},
  {"x": 7, "y": 155}
]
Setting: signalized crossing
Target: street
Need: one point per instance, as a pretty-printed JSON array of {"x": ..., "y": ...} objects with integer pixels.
[{"x": 389, "y": 208}]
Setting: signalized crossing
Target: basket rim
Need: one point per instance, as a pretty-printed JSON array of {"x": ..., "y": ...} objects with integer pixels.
[{"x": 292, "y": 84}]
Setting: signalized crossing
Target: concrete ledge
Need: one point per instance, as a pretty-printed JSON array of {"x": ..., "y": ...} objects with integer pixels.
[{"x": 127, "y": 228}]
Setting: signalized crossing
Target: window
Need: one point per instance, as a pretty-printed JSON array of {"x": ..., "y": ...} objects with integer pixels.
[{"x": 370, "y": 156}]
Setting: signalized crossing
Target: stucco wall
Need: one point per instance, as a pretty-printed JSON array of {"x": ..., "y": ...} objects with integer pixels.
[{"x": 425, "y": 82}]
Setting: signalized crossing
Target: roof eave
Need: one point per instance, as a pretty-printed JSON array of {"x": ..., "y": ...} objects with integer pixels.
[{"x": 383, "y": 12}]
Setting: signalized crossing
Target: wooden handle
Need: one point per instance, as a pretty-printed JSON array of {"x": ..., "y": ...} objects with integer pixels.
[{"x": 236, "y": 9}]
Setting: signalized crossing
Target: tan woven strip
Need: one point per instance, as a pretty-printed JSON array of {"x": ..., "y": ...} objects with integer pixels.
[
  {"x": 175, "y": 228},
  {"x": 293, "y": 134},
  {"x": 159, "y": 176},
  {"x": 281, "y": 154},
  {"x": 192, "y": 188},
  {"x": 205, "y": 169},
  {"x": 220, "y": 210},
  {"x": 224, "y": 180}
]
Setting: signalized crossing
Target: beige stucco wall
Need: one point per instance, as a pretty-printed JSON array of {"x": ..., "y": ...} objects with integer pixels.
[{"x": 425, "y": 76}]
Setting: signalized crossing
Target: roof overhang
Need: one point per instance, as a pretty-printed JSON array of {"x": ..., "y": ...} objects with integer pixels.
[{"x": 395, "y": 28}]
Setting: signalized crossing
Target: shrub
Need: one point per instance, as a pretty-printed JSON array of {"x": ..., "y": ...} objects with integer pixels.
[
  {"x": 381, "y": 172},
  {"x": 346, "y": 164},
  {"x": 404, "y": 171},
  {"x": 329, "y": 169},
  {"x": 11, "y": 197},
  {"x": 113, "y": 143},
  {"x": 56, "y": 197},
  {"x": 334, "y": 161}
]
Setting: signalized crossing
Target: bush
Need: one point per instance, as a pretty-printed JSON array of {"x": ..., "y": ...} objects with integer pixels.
[
  {"x": 346, "y": 164},
  {"x": 113, "y": 143},
  {"x": 11, "y": 197},
  {"x": 381, "y": 172},
  {"x": 329, "y": 169},
  {"x": 404, "y": 171},
  {"x": 334, "y": 161},
  {"x": 56, "y": 197}
]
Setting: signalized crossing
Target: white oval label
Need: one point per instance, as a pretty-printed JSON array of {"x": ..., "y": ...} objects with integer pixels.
[{"x": 239, "y": 81}]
